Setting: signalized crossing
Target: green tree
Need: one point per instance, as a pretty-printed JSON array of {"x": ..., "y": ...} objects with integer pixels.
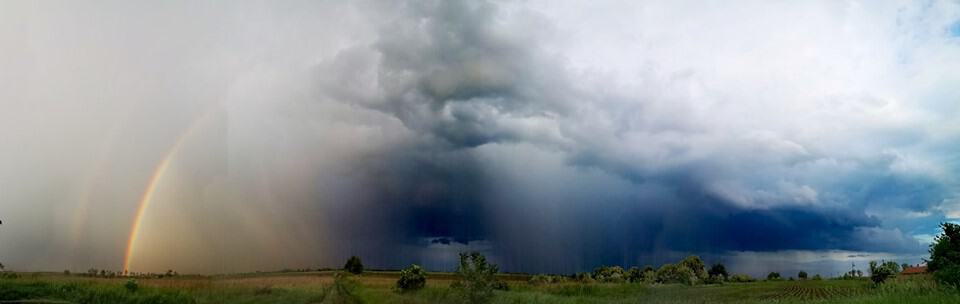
[
  {"x": 802, "y": 275},
  {"x": 411, "y": 278},
  {"x": 674, "y": 273},
  {"x": 880, "y": 272},
  {"x": 695, "y": 264},
  {"x": 718, "y": 270},
  {"x": 945, "y": 255},
  {"x": 353, "y": 265},
  {"x": 634, "y": 275},
  {"x": 476, "y": 278},
  {"x": 774, "y": 276}
]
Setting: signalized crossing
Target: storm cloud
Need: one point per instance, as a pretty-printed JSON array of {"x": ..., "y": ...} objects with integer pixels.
[{"x": 552, "y": 136}]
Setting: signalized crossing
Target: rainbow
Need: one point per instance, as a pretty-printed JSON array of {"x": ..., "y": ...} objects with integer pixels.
[{"x": 154, "y": 182}]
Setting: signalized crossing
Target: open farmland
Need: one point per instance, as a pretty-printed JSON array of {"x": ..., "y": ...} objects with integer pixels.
[{"x": 377, "y": 287}]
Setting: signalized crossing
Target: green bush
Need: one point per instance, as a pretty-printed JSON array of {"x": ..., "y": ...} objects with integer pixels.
[
  {"x": 880, "y": 272},
  {"x": 817, "y": 277},
  {"x": 634, "y": 275},
  {"x": 673, "y": 273},
  {"x": 609, "y": 274},
  {"x": 411, "y": 278},
  {"x": 695, "y": 264},
  {"x": 353, "y": 265},
  {"x": 476, "y": 279},
  {"x": 718, "y": 270},
  {"x": 774, "y": 276},
  {"x": 741, "y": 278},
  {"x": 802, "y": 275},
  {"x": 131, "y": 285}
]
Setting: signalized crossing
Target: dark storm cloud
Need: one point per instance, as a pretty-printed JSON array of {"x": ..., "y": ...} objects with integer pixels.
[{"x": 463, "y": 75}]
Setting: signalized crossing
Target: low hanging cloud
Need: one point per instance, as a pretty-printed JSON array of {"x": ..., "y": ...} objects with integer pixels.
[{"x": 550, "y": 138}]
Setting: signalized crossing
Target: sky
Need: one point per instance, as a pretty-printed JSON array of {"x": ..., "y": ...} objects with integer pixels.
[{"x": 552, "y": 136}]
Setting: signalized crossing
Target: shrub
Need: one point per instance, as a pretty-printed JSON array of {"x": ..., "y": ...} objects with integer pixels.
[
  {"x": 649, "y": 276},
  {"x": 695, "y": 264},
  {"x": 584, "y": 277},
  {"x": 353, "y": 265},
  {"x": 411, "y": 278},
  {"x": 131, "y": 285},
  {"x": 817, "y": 277},
  {"x": 802, "y": 275},
  {"x": 673, "y": 273},
  {"x": 543, "y": 279},
  {"x": 880, "y": 272},
  {"x": 718, "y": 270},
  {"x": 714, "y": 279},
  {"x": 476, "y": 278},
  {"x": 609, "y": 274},
  {"x": 741, "y": 278},
  {"x": 634, "y": 275},
  {"x": 774, "y": 276}
]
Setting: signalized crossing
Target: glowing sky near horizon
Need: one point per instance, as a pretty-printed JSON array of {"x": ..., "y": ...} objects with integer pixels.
[{"x": 554, "y": 136}]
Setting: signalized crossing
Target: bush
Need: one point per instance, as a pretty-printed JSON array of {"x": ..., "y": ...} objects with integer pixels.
[
  {"x": 802, "y": 275},
  {"x": 634, "y": 275},
  {"x": 543, "y": 279},
  {"x": 741, "y": 278},
  {"x": 695, "y": 264},
  {"x": 131, "y": 285},
  {"x": 774, "y": 276},
  {"x": 649, "y": 276},
  {"x": 411, "y": 278},
  {"x": 353, "y": 265},
  {"x": 880, "y": 272},
  {"x": 718, "y": 270},
  {"x": 817, "y": 277},
  {"x": 476, "y": 278},
  {"x": 945, "y": 255},
  {"x": 608, "y": 274},
  {"x": 673, "y": 273},
  {"x": 714, "y": 279}
]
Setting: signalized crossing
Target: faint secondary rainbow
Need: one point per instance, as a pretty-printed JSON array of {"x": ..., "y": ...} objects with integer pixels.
[{"x": 158, "y": 173}]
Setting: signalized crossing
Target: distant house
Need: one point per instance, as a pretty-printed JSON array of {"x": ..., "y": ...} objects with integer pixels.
[{"x": 914, "y": 270}]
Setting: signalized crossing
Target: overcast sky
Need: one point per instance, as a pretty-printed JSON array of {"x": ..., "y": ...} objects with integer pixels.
[{"x": 554, "y": 136}]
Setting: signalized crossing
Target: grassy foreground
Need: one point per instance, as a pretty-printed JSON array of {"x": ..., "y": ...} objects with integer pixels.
[{"x": 376, "y": 287}]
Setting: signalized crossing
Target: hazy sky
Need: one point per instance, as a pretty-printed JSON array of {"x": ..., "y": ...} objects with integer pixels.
[{"x": 554, "y": 136}]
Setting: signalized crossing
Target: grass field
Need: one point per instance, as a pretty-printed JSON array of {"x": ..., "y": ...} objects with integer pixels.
[{"x": 376, "y": 287}]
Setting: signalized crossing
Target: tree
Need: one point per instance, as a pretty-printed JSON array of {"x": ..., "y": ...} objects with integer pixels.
[
  {"x": 411, "y": 278},
  {"x": 674, "y": 273},
  {"x": 476, "y": 279},
  {"x": 945, "y": 255},
  {"x": 634, "y": 275},
  {"x": 773, "y": 276},
  {"x": 718, "y": 270},
  {"x": 817, "y": 277},
  {"x": 609, "y": 274},
  {"x": 802, "y": 275},
  {"x": 353, "y": 265},
  {"x": 879, "y": 272},
  {"x": 695, "y": 264}
]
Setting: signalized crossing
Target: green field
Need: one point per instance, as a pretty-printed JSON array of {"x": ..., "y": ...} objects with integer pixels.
[{"x": 376, "y": 287}]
